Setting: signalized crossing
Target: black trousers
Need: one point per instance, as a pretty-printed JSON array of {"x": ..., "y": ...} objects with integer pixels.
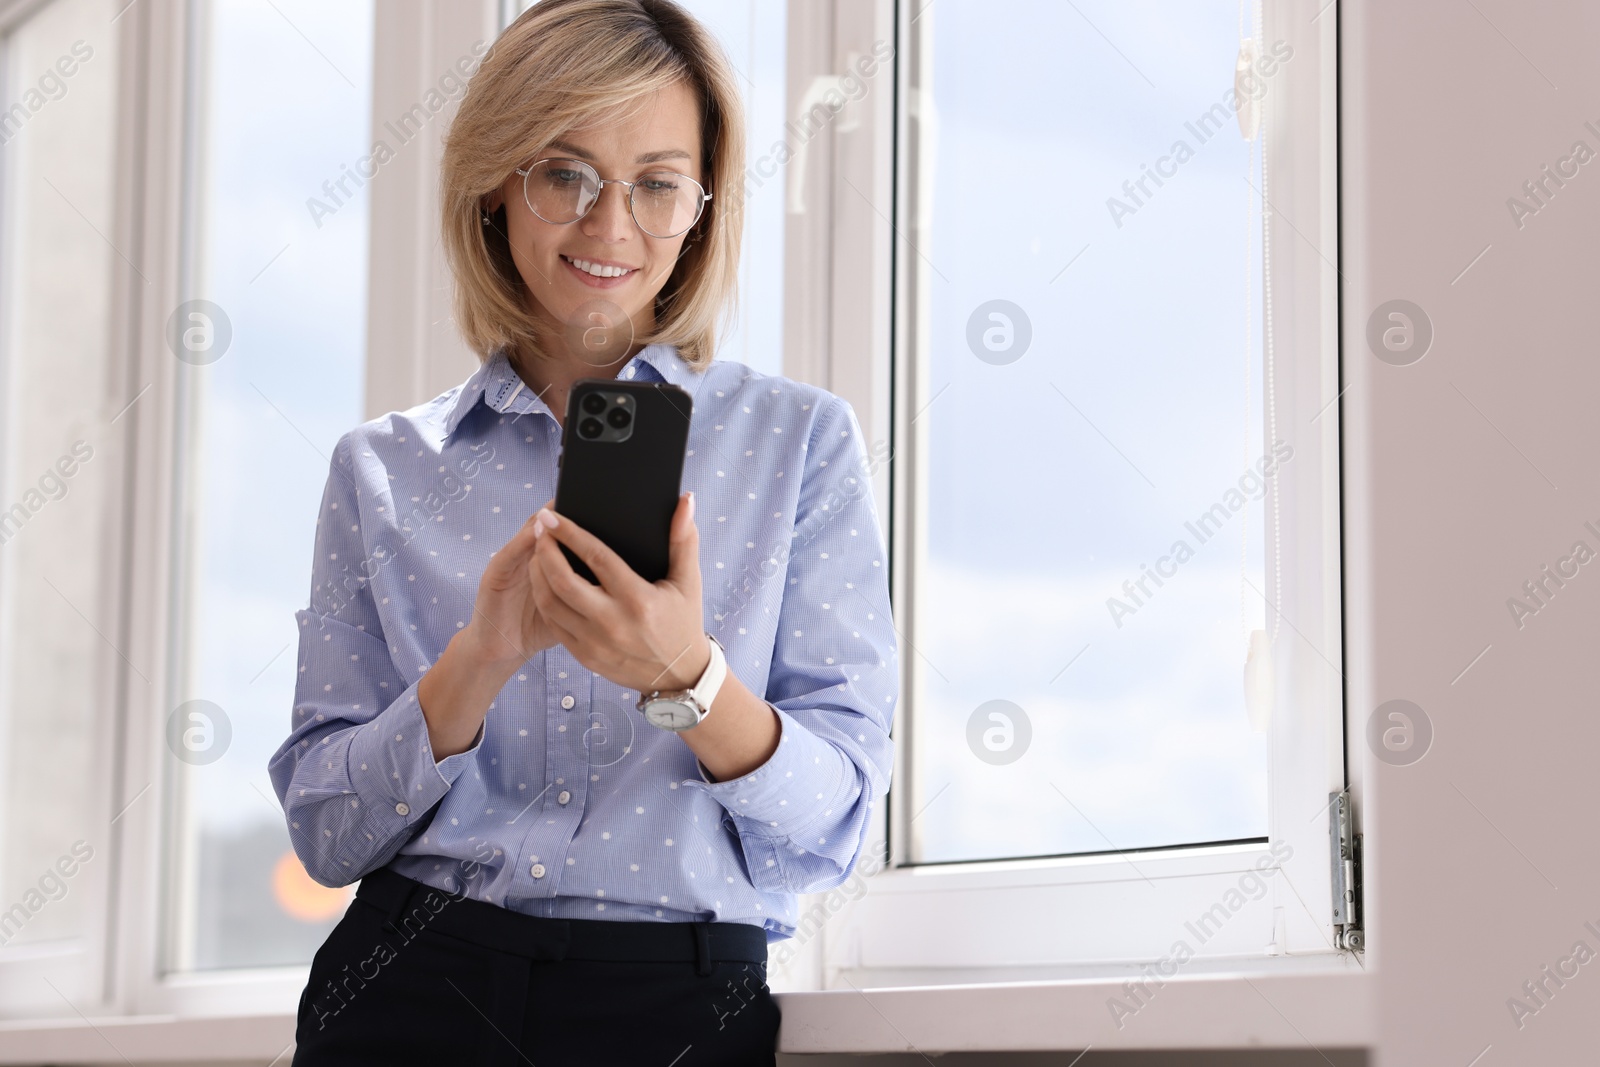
[{"x": 412, "y": 975}]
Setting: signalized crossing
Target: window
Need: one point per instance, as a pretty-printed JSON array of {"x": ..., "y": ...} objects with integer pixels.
[
  {"x": 1091, "y": 369},
  {"x": 278, "y": 267},
  {"x": 270, "y": 373},
  {"x": 192, "y": 278},
  {"x": 61, "y": 455},
  {"x": 1089, "y": 285}
]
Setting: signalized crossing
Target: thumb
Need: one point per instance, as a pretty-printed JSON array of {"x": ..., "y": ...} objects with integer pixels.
[{"x": 683, "y": 551}]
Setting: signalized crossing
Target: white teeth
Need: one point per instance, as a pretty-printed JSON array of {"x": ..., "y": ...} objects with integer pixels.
[{"x": 598, "y": 271}]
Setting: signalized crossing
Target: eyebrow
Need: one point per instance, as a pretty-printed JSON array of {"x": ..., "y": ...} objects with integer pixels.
[{"x": 648, "y": 157}]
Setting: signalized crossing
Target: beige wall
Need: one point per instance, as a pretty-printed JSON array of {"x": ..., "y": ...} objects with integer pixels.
[{"x": 1478, "y": 463}]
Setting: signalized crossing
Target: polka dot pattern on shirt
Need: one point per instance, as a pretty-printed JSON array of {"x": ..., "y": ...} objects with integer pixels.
[{"x": 566, "y": 795}]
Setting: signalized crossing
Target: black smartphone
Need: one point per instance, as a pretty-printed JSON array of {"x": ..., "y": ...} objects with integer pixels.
[{"x": 621, "y": 468}]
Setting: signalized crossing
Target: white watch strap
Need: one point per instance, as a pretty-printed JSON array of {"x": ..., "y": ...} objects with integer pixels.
[{"x": 711, "y": 681}]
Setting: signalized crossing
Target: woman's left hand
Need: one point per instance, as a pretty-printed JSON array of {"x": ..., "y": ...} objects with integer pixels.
[{"x": 641, "y": 635}]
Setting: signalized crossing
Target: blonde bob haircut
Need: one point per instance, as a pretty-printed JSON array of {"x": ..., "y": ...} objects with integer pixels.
[{"x": 565, "y": 65}]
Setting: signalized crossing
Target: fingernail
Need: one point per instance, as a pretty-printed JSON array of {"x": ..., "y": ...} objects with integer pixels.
[
  {"x": 691, "y": 504},
  {"x": 546, "y": 518}
]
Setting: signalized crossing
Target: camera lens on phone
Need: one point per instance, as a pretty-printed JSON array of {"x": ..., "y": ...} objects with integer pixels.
[
  {"x": 594, "y": 404},
  {"x": 618, "y": 417},
  {"x": 590, "y": 427}
]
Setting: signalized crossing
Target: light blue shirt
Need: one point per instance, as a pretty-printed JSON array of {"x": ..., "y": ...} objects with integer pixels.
[{"x": 569, "y": 804}]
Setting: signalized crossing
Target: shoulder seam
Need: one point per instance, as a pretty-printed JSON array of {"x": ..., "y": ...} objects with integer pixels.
[{"x": 834, "y": 399}]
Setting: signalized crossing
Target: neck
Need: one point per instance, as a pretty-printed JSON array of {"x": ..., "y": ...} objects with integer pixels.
[{"x": 551, "y": 377}]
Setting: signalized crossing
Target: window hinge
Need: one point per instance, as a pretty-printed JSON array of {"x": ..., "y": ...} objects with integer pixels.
[{"x": 1345, "y": 852}]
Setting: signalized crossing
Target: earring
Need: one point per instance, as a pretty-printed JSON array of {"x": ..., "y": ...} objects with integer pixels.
[{"x": 485, "y": 218}]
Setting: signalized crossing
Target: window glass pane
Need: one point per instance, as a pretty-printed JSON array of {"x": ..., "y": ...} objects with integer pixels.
[
  {"x": 281, "y": 222},
  {"x": 754, "y": 35},
  {"x": 753, "y": 32},
  {"x": 59, "y": 392},
  {"x": 1088, "y": 273}
]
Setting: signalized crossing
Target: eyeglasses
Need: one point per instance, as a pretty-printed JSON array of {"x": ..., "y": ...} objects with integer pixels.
[{"x": 663, "y": 203}]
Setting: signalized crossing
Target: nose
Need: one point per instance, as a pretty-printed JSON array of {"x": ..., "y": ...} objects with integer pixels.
[{"x": 609, "y": 218}]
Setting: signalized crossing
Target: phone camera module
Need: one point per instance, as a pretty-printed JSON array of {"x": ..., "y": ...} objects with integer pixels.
[{"x": 603, "y": 415}]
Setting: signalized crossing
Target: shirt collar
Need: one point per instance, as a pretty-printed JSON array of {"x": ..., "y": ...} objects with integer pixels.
[{"x": 500, "y": 387}]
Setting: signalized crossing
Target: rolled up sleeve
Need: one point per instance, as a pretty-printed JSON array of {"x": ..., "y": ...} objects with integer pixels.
[{"x": 802, "y": 815}]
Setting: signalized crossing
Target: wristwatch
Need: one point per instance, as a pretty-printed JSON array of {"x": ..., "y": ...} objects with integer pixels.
[{"x": 684, "y": 709}]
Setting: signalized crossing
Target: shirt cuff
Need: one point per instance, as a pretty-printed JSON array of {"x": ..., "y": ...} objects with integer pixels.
[
  {"x": 804, "y": 780},
  {"x": 451, "y": 766},
  {"x": 392, "y": 764}
]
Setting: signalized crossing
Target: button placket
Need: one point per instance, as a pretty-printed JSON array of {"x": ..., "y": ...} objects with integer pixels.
[{"x": 566, "y": 759}]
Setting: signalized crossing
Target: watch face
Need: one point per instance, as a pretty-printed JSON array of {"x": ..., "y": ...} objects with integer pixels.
[{"x": 671, "y": 714}]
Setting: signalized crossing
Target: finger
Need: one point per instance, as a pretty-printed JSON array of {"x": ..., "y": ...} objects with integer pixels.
[
  {"x": 571, "y": 641},
  {"x": 533, "y": 520},
  {"x": 549, "y": 607},
  {"x": 571, "y": 588},
  {"x": 555, "y": 582},
  {"x": 616, "y": 577},
  {"x": 683, "y": 553}
]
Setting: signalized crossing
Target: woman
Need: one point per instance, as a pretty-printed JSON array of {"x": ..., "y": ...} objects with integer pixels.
[{"x": 547, "y": 875}]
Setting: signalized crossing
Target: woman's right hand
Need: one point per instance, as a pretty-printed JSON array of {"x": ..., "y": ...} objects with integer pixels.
[{"x": 507, "y": 628}]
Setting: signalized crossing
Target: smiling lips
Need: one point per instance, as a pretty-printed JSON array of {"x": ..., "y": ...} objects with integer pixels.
[{"x": 598, "y": 274}]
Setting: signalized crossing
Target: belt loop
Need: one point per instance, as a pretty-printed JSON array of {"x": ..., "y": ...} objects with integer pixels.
[{"x": 702, "y": 949}]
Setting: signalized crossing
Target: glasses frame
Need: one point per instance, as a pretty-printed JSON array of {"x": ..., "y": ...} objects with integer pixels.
[{"x": 705, "y": 197}]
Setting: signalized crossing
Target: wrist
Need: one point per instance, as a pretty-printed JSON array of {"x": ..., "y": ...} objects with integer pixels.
[
  {"x": 688, "y": 671},
  {"x": 480, "y": 654}
]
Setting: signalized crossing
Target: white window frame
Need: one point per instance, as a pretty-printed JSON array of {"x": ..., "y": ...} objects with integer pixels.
[
  {"x": 34, "y": 977},
  {"x": 987, "y": 916},
  {"x": 412, "y": 351}
]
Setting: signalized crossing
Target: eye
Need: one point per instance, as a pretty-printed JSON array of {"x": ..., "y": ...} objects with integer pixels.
[{"x": 660, "y": 185}]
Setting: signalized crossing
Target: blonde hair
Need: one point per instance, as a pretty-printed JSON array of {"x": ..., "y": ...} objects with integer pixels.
[{"x": 562, "y": 65}]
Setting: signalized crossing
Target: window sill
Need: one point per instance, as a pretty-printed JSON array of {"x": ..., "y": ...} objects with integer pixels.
[
  {"x": 1277, "y": 1003},
  {"x": 148, "y": 1039},
  {"x": 1273, "y": 1007}
]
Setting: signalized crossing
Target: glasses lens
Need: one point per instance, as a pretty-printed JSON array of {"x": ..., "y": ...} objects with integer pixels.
[
  {"x": 561, "y": 190},
  {"x": 666, "y": 203}
]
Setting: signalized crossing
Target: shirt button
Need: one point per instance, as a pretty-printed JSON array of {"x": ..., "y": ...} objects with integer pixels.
[
  {"x": 537, "y": 870},
  {"x": 567, "y": 702},
  {"x": 563, "y": 796},
  {"x": 402, "y": 808}
]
